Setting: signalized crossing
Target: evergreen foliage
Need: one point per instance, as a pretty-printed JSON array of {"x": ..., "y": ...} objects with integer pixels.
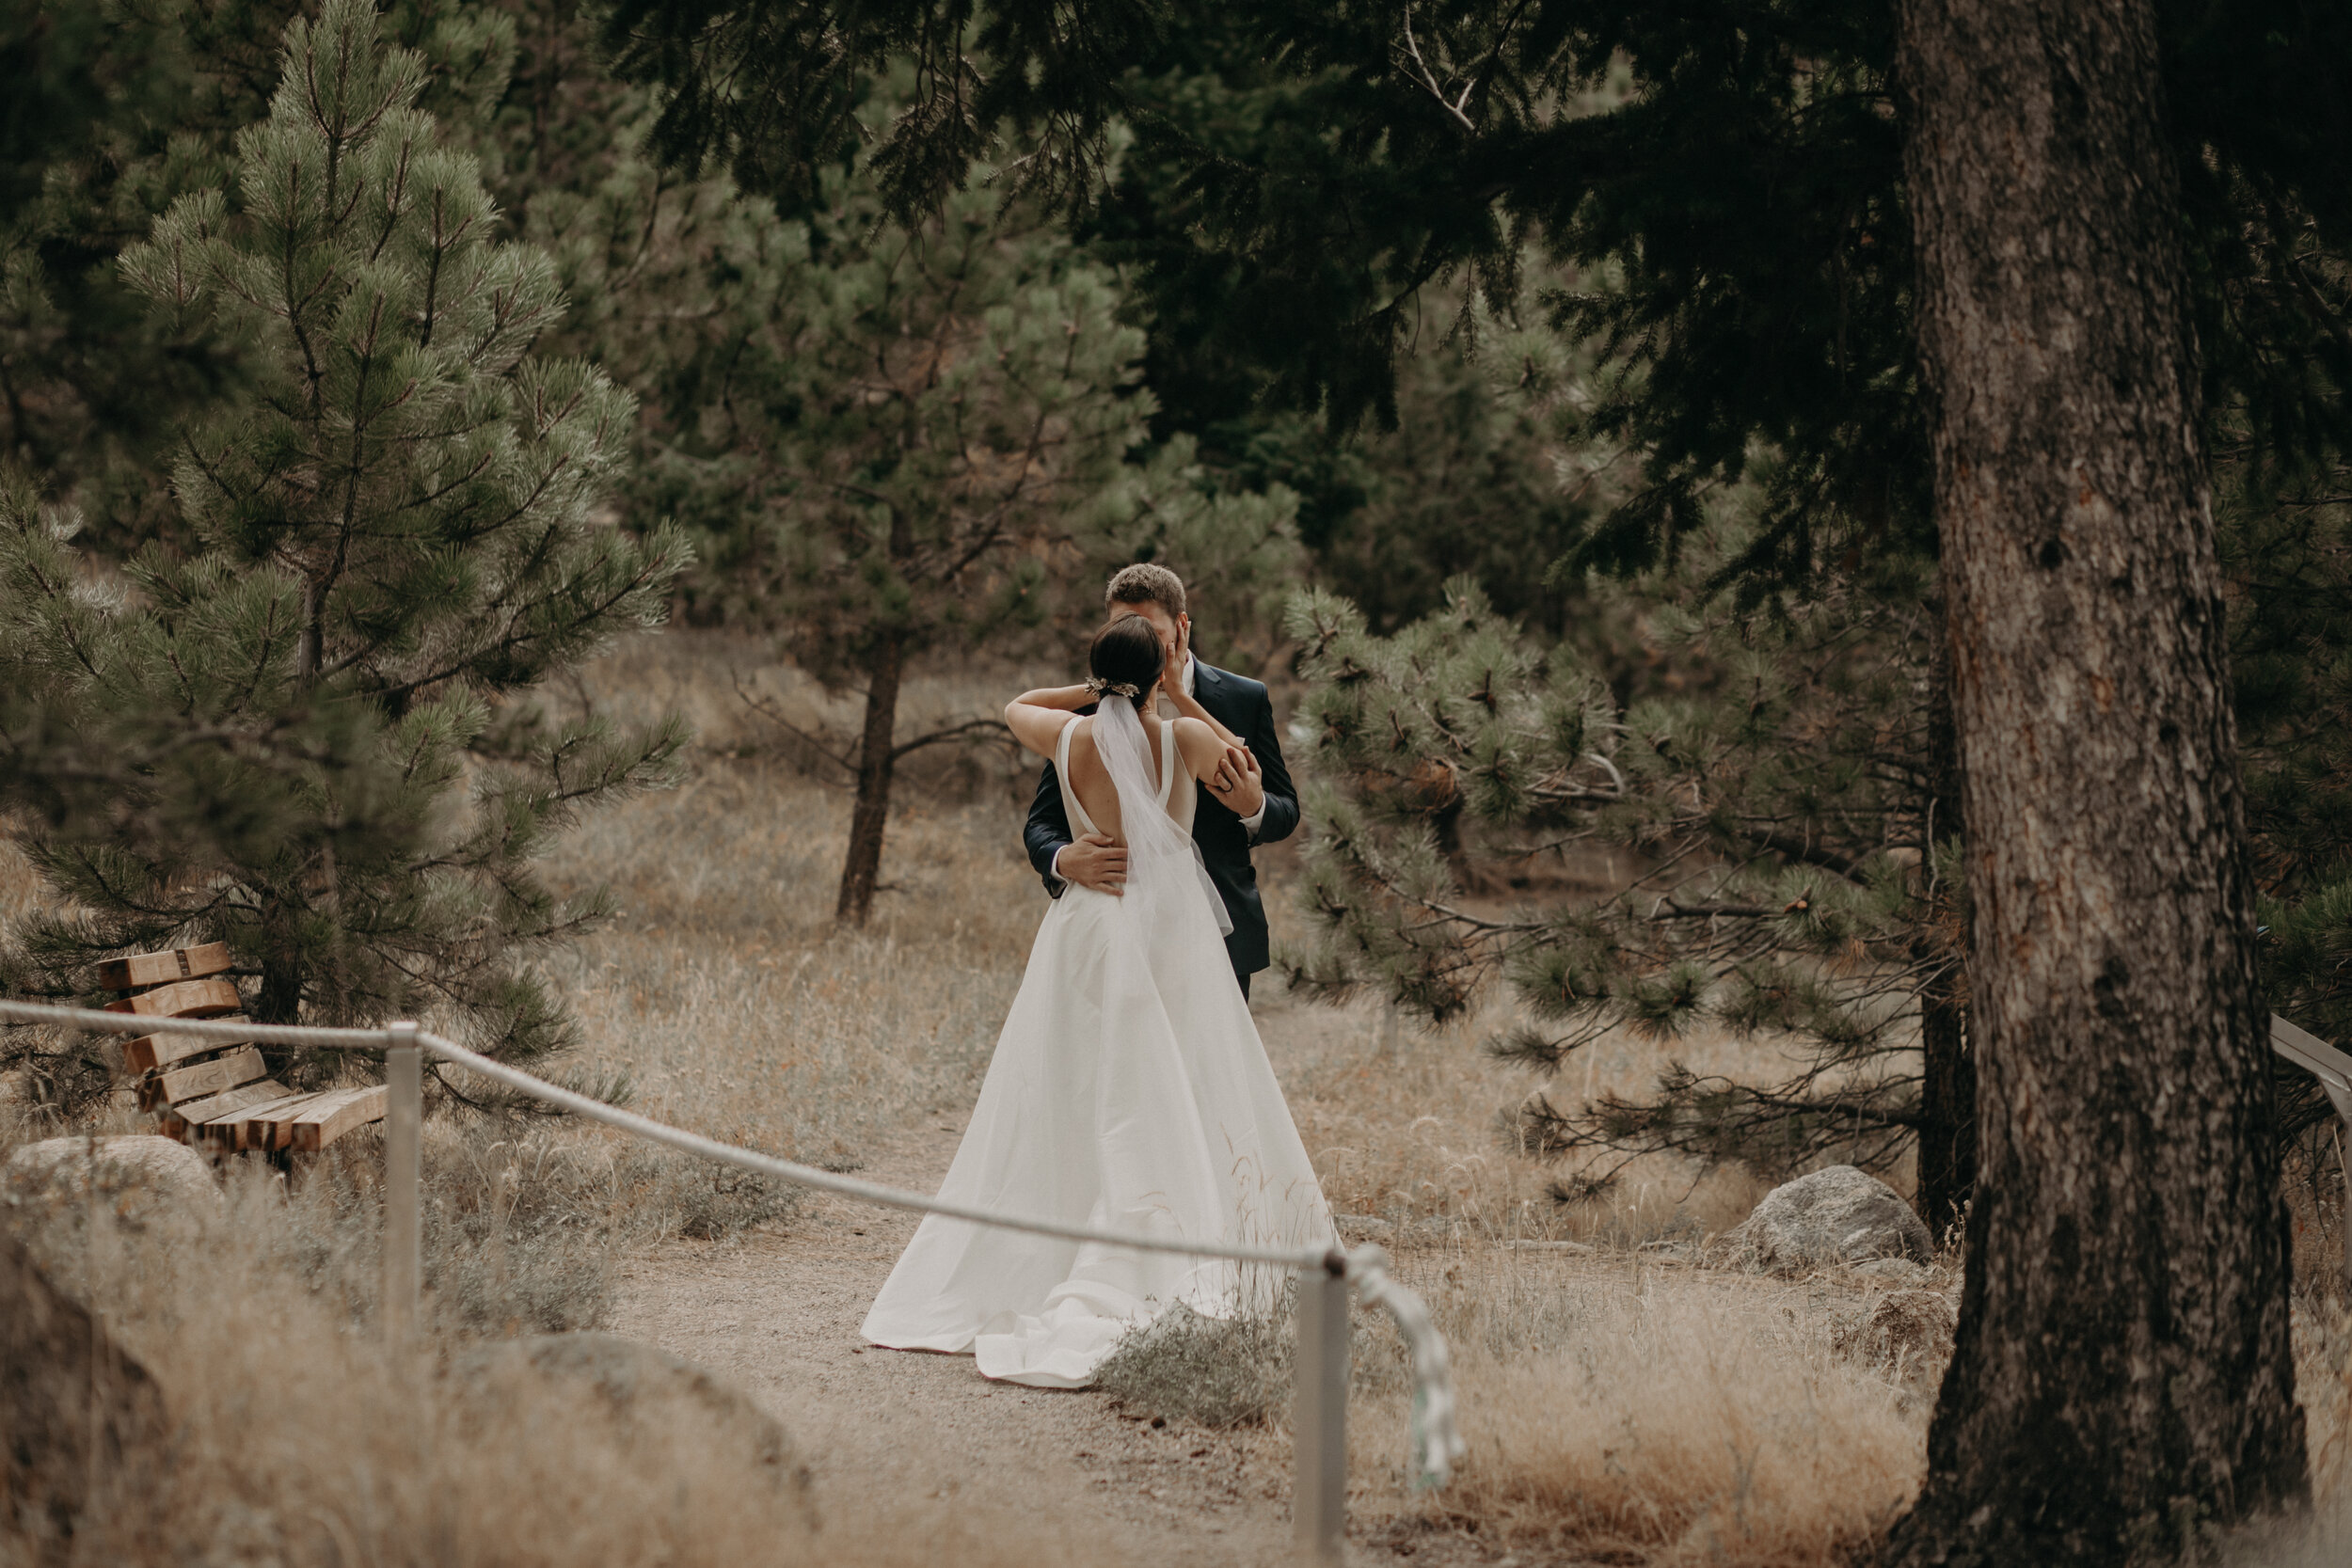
[
  {"x": 1786, "y": 879},
  {"x": 903, "y": 440},
  {"x": 1487, "y": 472},
  {"x": 1721, "y": 185},
  {"x": 121, "y": 107},
  {"x": 2287, "y": 554},
  {"x": 401, "y": 531}
]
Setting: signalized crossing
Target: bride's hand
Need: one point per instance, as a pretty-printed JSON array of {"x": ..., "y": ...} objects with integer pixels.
[{"x": 1172, "y": 668}]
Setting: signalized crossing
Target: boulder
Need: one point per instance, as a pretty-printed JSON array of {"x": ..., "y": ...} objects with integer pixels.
[
  {"x": 646, "y": 1389},
  {"x": 1830, "y": 1218},
  {"x": 161, "y": 1170},
  {"x": 66, "y": 1388},
  {"x": 1906, "y": 1334},
  {"x": 1896, "y": 1271}
]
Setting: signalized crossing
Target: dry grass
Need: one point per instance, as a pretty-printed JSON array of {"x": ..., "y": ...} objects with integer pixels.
[
  {"x": 1657, "y": 1414},
  {"x": 295, "y": 1439},
  {"x": 723, "y": 990},
  {"x": 725, "y": 995},
  {"x": 1214, "y": 1373},
  {"x": 1407, "y": 1126}
]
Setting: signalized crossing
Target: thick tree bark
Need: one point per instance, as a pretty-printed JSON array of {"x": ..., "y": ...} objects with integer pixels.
[
  {"x": 1947, "y": 1109},
  {"x": 1948, "y": 1083},
  {"x": 876, "y": 761},
  {"x": 2122, "y": 1372}
]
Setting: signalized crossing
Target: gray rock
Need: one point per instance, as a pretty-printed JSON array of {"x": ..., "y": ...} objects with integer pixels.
[
  {"x": 75, "y": 1407},
  {"x": 1832, "y": 1217},
  {"x": 645, "y": 1387},
  {"x": 165, "y": 1171},
  {"x": 1896, "y": 1271}
]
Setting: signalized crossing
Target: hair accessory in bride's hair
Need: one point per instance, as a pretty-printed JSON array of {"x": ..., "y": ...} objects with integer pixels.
[{"x": 1100, "y": 687}]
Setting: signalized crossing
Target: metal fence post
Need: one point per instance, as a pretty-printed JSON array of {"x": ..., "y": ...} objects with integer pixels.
[
  {"x": 1319, "y": 1411},
  {"x": 403, "y": 1127}
]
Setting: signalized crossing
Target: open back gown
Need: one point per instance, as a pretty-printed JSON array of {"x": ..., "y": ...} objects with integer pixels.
[{"x": 1129, "y": 1091}]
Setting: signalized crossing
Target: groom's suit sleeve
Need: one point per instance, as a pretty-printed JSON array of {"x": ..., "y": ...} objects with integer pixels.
[
  {"x": 1048, "y": 829},
  {"x": 1282, "y": 796}
]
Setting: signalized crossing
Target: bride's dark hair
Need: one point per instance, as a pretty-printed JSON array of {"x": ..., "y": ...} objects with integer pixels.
[{"x": 1126, "y": 658}]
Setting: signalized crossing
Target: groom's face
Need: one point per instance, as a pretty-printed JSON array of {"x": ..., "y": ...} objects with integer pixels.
[{"x": 1170, "y": 628}]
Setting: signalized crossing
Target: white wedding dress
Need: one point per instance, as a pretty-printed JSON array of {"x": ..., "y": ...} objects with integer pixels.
[{"x": 1129, "y": 1091}]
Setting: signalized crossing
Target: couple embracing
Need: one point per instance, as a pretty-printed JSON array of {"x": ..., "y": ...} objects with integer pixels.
[{"x": 1129, "y": 1089}]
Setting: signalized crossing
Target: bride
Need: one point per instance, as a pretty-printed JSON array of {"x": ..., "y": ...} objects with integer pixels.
[{"x": 1129, "y": 1089}]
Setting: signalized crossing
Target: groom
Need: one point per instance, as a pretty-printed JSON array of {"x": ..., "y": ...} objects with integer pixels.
[{"x": 1250, "y": 801}]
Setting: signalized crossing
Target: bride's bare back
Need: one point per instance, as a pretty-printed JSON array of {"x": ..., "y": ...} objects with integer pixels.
[{"x": 1195, "y": 745}]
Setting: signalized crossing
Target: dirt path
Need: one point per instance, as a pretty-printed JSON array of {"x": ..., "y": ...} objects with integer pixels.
[{"x": 779, "y": 1314}]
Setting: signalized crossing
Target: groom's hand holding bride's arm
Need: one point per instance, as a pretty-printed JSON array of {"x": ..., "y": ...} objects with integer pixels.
[
  {"x": 1237, "y": 780},
  {"x": 1240, "y": 782}
]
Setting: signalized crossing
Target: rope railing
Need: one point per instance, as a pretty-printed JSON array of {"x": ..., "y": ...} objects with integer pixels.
[{"x": 1324, "y": 1273}]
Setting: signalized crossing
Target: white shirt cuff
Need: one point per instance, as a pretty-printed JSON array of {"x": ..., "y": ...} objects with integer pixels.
[
  {"x": 1251, "y": 821},
  {"x": 1053, "y": 872}
]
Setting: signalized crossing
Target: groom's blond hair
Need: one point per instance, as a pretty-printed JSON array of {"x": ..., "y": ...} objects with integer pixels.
[{"x": 1146, "y": 582}]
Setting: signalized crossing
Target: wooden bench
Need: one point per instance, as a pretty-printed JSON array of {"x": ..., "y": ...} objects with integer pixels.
[{"x": 217, "y": 1094}]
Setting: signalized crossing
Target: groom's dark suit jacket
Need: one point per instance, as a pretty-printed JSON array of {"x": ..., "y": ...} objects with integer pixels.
[{"x": 1240, "y": 704}]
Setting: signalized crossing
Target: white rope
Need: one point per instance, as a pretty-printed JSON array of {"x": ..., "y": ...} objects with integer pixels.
[
  {"x": 228, "y": 1031},
  {"x": 849, "y": 1186},
  {"x": 1436, "y": 1444},
  {"x": 646, "y": 1127}
]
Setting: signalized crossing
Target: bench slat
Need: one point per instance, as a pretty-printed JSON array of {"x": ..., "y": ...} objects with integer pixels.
[
  {"x": 182, "y": 1120},
  {"x": 154, "y": 968},
  {"x": 186, "y": 999},
  {"x": 229, "y": 1129},
  {"x": 239, "y": 1067},
  {"x": 271, "y": 1125},
  {"x": 336, "y": 1113},
  {"x": 150, "y": 1051}
]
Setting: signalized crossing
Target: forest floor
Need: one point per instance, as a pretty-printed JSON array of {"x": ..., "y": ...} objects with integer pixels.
[
  {"x": 779, "y": 1314},
  {"x": 1619, "y": 1405}
]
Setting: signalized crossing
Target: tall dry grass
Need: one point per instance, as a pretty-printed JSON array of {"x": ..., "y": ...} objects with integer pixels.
[
  {"x": 1655, "y": 1416},
  {"x": 725, "y": 996},
  {"x": 1613, "y": 1409},
  {"x": 723, "y": 991},
  {"x": 296, "y": 1439},
  {"x": 1408, "y": 1125}
]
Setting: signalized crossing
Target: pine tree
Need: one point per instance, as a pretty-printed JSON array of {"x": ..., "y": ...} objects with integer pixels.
[
  {"x": 120, "y": 107},
  {"x": 907, "y": 439},
  {"x": 2123, "y": 1364},
  {"x": 1773, "y": 790},
  {"x": 400, "y": 538}
]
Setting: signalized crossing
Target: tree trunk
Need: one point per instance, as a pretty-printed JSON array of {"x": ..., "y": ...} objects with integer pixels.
[
  {"x": 2122, "y": 1376},
  {"x": 1948, "y": 1083},
  {"x": 1948, "y": 1105},
  {"x": 875, "y": 761}
]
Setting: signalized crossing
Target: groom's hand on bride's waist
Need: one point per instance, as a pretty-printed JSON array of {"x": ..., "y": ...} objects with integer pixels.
[{"x": 1093, "y": 861}]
